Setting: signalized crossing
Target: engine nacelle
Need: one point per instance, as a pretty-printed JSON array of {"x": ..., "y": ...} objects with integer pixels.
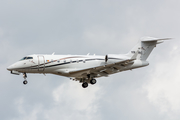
[{"x": 15, "y": 72}]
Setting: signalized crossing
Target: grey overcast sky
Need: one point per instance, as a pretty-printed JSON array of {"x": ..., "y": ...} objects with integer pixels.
[{"x": 94, "y": 26}]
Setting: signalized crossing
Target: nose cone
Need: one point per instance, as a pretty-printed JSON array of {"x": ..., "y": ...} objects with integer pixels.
[
  {"x": 10, "y": 68},
  {"x": 15, "y": 66}
]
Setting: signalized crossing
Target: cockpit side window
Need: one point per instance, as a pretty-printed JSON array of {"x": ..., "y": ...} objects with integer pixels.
[
  {"x": 26, "y": 58},
  {"x": 29, "y": 58}
]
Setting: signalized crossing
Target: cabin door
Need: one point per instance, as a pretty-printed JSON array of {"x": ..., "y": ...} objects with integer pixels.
[{"x": 41, "y": 63}]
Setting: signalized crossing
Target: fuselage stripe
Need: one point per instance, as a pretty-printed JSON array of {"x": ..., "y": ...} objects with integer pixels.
[{"x": 44, "y": 64}]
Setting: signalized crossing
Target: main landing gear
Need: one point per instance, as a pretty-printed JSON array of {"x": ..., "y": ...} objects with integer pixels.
[
  {"x": 25, "y": 81},
  {"x": 85, "y": 85},
  {"x": 92, "y": 81}
]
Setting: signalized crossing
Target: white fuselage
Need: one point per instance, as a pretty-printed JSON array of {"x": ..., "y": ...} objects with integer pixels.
[{"x": 64, "y": 64}]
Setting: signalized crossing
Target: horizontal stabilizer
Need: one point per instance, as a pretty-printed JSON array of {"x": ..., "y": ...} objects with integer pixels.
[{"x": 151, "y": 39}]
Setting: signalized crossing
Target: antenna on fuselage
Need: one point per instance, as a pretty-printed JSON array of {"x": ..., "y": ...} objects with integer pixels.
[
  {"x": 53, "y": 53},
  {"x": 88, "y": 54}
]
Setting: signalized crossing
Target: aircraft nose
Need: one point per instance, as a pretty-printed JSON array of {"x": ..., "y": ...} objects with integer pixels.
[
  {"x": 10, "y": 68},
  {"x": 14, "y": 66}
]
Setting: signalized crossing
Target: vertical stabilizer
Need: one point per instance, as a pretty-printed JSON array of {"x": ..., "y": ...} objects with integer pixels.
[{"x": 144, "y": 48}]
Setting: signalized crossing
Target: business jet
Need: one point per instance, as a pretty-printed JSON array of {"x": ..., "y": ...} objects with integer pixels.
[{"x": 85, "y": 68}]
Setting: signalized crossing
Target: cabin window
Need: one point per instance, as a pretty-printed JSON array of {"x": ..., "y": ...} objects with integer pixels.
[
  {"x": 58, "y": 61},
  {"x": 64, "y": 61}
]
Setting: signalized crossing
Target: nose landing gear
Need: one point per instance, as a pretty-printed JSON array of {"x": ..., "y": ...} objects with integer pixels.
[{"x": 25, "y": 81}]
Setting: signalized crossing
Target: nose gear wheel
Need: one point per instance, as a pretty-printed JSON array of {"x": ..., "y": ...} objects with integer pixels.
[{"x": 25, "y": 81}]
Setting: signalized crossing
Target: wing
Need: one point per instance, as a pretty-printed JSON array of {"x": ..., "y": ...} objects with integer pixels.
[{"x": 103, "y": 70}]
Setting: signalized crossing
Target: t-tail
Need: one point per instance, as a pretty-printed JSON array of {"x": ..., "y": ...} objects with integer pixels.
[{"x": 144, "y": 48}]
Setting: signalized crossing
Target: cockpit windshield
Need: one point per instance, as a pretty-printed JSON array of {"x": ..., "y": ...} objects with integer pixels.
[{"x": 26, "y": 58}]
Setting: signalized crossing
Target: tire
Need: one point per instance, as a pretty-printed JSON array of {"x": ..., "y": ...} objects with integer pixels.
[
  {"x": 85, "y": 85},
  {"x": 93, "y": 81},
  {"x": 25, "y": 82}
]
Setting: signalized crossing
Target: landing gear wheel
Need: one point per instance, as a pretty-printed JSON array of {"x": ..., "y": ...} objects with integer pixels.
[
  {"x": 85, "y": 85},
  {"x": 25, "y": 82},
  {"x": 93, "y": 81}
]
